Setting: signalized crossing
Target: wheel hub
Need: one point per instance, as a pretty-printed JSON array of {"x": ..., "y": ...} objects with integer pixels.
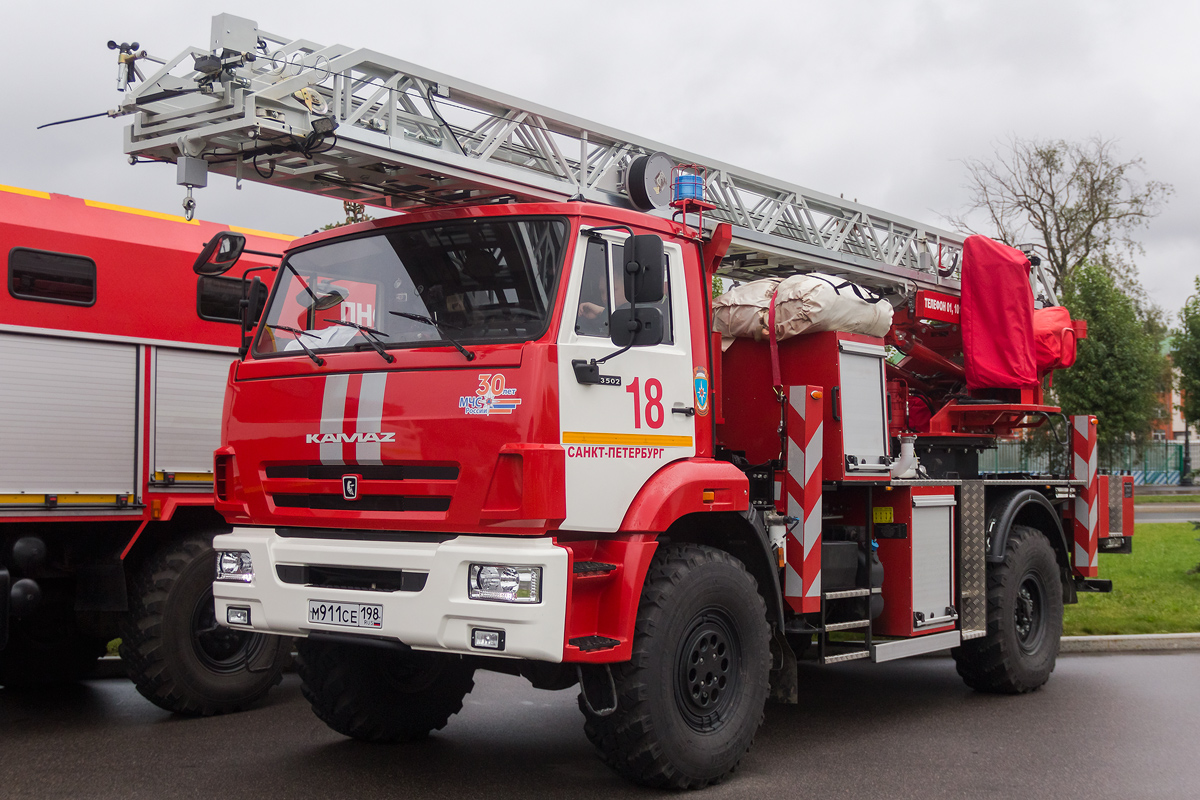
[
  {"x": 707, "y": 666},
  {"x": 1028, "y": 616},
  {"x": 220, "y": 649}
]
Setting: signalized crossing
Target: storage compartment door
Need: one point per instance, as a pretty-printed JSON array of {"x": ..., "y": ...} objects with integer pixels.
[
  {"x": 863, "y": 407},
  {"x": 933, "y": 561},
  {"x": 189, "y": 388},
  {"x": 68, "y": 416}
]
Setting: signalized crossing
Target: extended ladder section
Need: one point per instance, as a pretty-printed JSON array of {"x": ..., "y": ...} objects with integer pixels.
[{"x": 362, "y": 126}]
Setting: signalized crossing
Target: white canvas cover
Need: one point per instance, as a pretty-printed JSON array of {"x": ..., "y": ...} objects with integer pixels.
[{"x": 803, "y": 304}]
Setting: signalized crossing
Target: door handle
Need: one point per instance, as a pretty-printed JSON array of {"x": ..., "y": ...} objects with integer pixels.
[{"x": 688, "y": 411}]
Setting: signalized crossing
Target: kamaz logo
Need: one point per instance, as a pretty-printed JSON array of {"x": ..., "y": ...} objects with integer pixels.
[{"x": 349, "y": 438}]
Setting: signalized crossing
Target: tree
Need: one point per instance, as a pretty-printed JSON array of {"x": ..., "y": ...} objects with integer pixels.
[
  {"x": 1120, "y": 370},
  {"x": 1078, "y": 201},
  {"x": 1185, "y": 353},
  {"x": 355, "y": 212}
]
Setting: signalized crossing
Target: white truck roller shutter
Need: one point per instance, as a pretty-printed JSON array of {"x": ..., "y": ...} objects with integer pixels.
[
  {"x": 189, "y": 391},
  {"x": 68, "y": 415}
]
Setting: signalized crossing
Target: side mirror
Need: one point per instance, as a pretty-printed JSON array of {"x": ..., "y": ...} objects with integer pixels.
[
  {"x": 220, "y": 254},
  {"x": 637, "y": 327},
  {"x": 644, "y": 267},
  {"x": 252, "y": 307}
]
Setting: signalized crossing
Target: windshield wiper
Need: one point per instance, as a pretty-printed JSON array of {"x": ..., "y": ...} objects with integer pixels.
[
  {"x": 470, "y": 356},
  {"x": 320, "y": 362},
  {"x": 372, "y": 336}
]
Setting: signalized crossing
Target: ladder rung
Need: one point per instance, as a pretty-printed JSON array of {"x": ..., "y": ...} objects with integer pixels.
[
  {"x": 846, "y": 593},
  {"x": 857, "y": 654},
  {"x": 845, "y": 626}
]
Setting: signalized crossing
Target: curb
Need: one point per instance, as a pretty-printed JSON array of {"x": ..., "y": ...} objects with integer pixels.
[
  {"x": 1166, "y": 508},
  {"x": 1145, "y": 643}
]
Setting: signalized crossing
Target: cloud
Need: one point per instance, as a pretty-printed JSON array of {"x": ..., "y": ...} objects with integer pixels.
[{"x": 876, "y": 101}]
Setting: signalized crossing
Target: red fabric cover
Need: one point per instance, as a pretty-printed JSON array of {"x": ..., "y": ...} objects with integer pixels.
[
  {"x": 1054, "y": 338},
  {"x": 997, "y": 316}
]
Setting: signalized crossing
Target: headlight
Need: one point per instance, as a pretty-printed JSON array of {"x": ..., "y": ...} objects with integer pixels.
[
  {"x": 234, "y": 565},
  {"x": 505, "y": 584}
]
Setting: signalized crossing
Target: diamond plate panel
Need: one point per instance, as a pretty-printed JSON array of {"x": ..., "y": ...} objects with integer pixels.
[
  {"x": 973, "y": 552},
  {"x": 1114, "y": 506}
]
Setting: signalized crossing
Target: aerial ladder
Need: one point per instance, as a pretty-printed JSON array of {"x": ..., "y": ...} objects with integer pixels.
[{"x": 358, "y": 125}]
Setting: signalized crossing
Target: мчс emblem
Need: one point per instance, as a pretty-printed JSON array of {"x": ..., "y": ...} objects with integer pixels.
[
  {"x": 700, "y": 382},
  {"x": 491, "y": 397},
  {"x": 350, "y": 486}
]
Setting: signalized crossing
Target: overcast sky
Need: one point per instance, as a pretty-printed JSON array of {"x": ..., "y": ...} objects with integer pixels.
[{"x": 877, "y": 101}]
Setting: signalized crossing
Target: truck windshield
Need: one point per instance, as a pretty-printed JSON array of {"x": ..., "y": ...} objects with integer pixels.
[{"x": 470, "y": 281}]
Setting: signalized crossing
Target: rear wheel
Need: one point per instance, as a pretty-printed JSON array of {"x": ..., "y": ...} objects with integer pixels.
[
  {"x": 691, "y": 699},
  {"x": 45, "y": 649},
  {"x": 177, "y": 654},
  {"x": 380, "y": 695},
  {"x": 1025, "y": 613}
]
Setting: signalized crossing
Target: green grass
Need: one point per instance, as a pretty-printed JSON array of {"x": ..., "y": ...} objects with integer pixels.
[
  {"x": 1153, "y": 591},
  {"x": 1167, "y": 498}
]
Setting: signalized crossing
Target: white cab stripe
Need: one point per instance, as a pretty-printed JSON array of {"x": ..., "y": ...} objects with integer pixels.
[
  {"x": 333, "y": 415},
  {"x": 370, "y": 416}
]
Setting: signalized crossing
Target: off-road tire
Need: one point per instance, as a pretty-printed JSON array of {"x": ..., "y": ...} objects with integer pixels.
[
  {"x": 47, "y": 650},
  {"x": 690, "y": 700},
  {"x": 1025, "y": 615},
  {"x": 173, "y": 649},
  {"x": 378, "y": 695}
]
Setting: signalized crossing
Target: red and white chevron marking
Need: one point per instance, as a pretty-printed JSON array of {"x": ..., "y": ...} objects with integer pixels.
[
  {"x": 805, "y": 428},
  {"x": 1087, "y": 512}
]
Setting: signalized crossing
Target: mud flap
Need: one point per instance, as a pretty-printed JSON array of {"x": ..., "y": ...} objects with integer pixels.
[
  {"x": 264, "y": 659},
  {"x": 785, "y": 679}
]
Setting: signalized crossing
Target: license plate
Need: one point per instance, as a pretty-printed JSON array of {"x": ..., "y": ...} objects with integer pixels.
[{"x": 348, "y": 615}]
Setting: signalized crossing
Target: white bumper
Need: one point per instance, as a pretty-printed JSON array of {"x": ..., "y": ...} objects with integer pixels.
[{"x": 438, "y": 617}]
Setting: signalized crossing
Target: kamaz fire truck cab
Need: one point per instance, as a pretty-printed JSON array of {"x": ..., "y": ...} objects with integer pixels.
[{"x": 431, "y": 379}]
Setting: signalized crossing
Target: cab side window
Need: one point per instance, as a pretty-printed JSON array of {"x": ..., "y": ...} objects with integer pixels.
[{"x": 594, "y": 305}]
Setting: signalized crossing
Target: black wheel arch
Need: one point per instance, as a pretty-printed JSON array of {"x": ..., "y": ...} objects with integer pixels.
[
  {"x": 1030, "y": 507},
  {"x": 744, "y": 536}
]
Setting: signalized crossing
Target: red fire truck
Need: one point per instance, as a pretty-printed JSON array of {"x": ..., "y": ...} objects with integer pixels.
[
  {"x": 115, "y": 359},
  {"x": 499, "y": 430}
]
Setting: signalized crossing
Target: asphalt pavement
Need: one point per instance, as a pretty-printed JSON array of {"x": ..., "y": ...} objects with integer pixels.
[{"x": 1106, "y": 726}]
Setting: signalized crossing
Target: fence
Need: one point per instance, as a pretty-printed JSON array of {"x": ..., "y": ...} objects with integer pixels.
[{"x": 1149, "y": 463}]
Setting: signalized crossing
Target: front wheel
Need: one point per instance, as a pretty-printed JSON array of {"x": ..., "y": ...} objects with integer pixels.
[
  {"x": 1025, "y": 618},
  {"x": 691, "y": 698},
  {"x": 379, "y": 695},
  {"x": 177, "y": 654}
]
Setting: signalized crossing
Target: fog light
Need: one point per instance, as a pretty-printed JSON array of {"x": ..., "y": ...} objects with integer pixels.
[
  {"x": 487, "y": 640},
  {"x": 237, "y": 616},
  {"x": 234, "y": 565},
  {"x": 505, "y": 584}
]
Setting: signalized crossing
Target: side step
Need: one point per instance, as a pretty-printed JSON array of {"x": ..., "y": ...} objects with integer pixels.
[
  {"x": 823, "y": 643},
  {"x": 845, "y": 626},
  {"x": 590, "y": 643},
  {"x": 592, "y": 568}
]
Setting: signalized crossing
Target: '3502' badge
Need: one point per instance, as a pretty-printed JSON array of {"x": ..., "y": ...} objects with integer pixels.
[{"x": 700, "y": 382}]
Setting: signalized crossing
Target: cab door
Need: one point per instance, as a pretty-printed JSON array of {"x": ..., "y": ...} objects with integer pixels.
[{"x": 620, "y": 432}]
